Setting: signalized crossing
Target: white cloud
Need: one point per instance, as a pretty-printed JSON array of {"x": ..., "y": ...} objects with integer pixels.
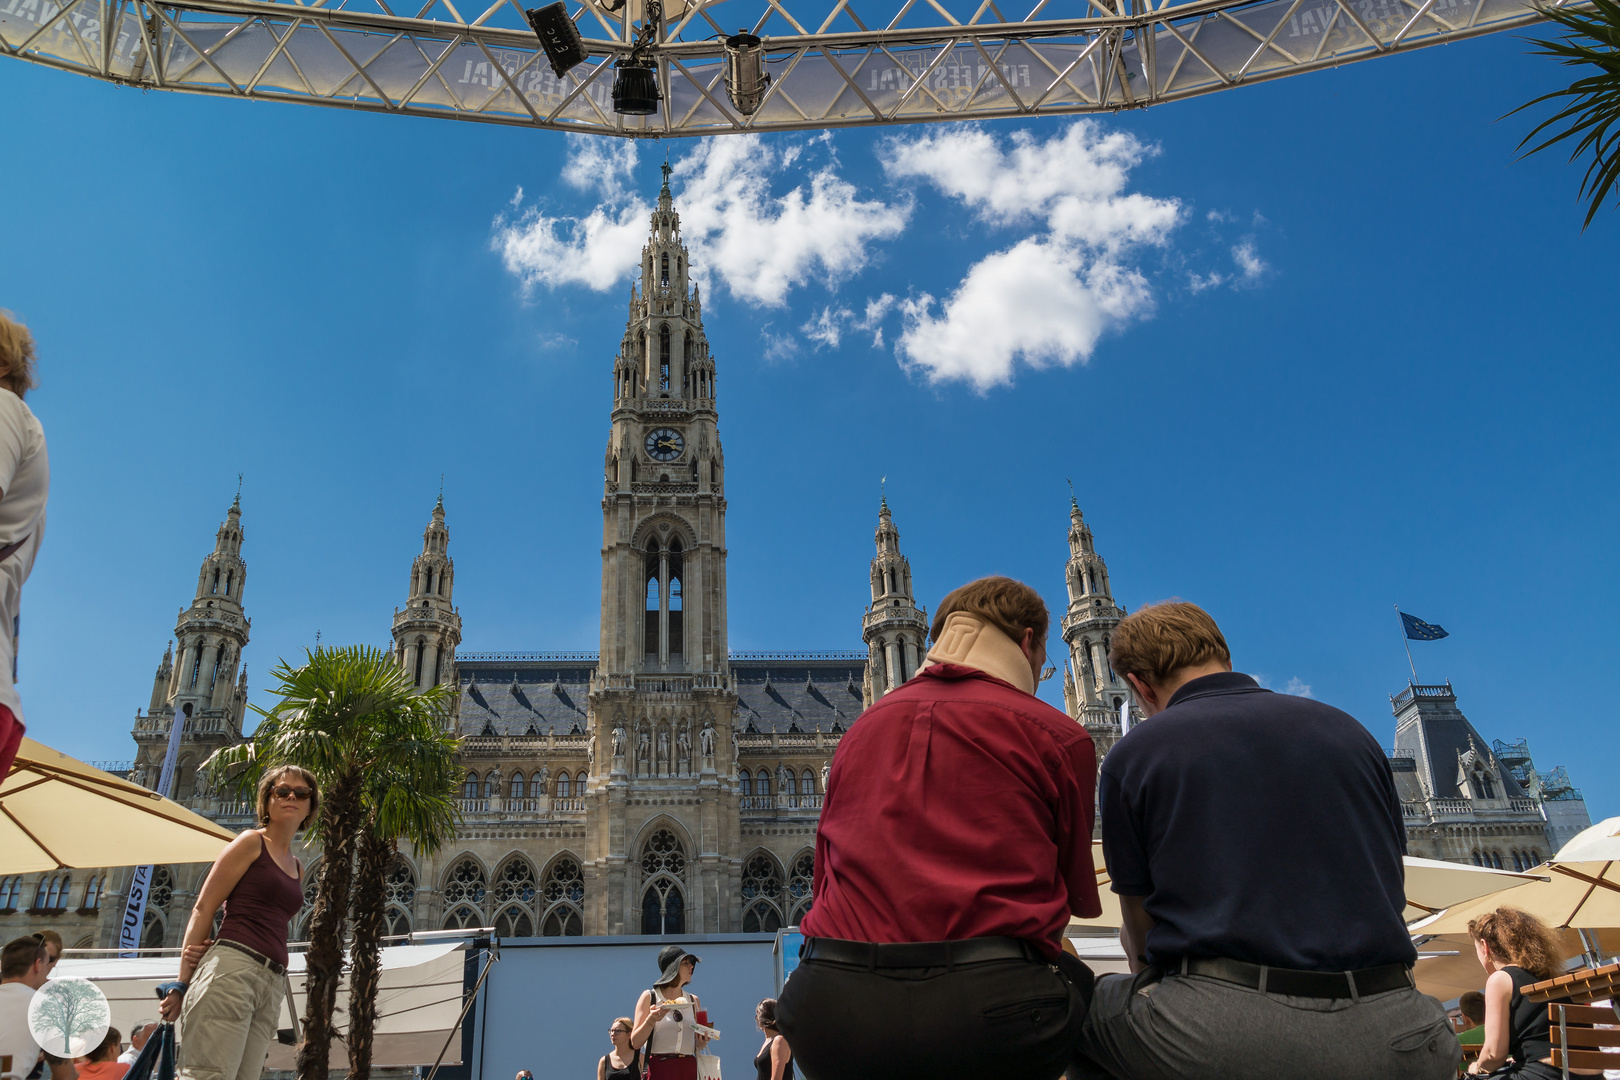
[
  {"x": 1074, "y": 182},
  {"x": 1248, "y": 260},
  {"x": 597, "y": 163},
  {"x": 1049, "y": 298},
  {"x": 759, "y": 244},
  {"x": 763, "y": 245},
  {"x": 1198, "y": 283},
  {"x": 827, "y": 328},
  {"x": 1039, "y": 301}
]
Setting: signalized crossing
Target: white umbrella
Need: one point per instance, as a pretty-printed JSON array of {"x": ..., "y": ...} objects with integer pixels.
[{"x": 1596, "y": 843}]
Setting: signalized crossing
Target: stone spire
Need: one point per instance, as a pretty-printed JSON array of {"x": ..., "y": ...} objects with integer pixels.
[
  {"x": 894, "y": 628},
  {"x": 1093, "y": 693},
  {"x": 428, "y": 629}
]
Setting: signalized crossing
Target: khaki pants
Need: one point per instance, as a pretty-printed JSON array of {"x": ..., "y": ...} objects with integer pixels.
[{"x": 228, "y": 1017}]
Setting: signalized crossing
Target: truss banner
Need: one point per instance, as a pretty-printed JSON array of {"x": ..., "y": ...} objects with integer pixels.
[{"x": 381, "y": 61}]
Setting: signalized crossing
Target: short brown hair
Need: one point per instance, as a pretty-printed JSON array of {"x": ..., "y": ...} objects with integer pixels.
[
  {"x": 1163, "y": 638},
  {"x": 51, "y": 937},
  {"x": 110, "y": 1046},
  {"x": 1520, "y": 939},
  {"x": 1010, "y": 606},
  {"x": 20, "y": 956},
  {"x": 269, "y": 780},
  {"x": 1472, "y": 1005},
  {"x": 16, "y": 355}
]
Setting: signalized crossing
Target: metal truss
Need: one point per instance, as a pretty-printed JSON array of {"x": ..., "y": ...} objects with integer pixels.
[{"x": 833, "y": 63}]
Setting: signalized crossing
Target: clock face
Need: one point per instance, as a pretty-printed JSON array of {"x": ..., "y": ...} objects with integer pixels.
[{"x": 665, "y": 444}]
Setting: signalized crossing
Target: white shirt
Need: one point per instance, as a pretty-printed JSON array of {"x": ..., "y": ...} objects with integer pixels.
[
  {"x": 15, "y": 1038},
  {"x": 25, "y": 481}
]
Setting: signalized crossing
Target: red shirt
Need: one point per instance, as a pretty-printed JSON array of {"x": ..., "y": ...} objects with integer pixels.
[{"x": 958, "y": 807}]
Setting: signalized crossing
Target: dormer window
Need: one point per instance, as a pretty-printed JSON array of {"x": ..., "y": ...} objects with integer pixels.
[{"x": 663, "y": 275}]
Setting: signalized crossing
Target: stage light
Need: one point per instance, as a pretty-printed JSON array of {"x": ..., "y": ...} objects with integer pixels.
[
  {"x": 558, "y": 35},
  {"x": 746, "y": 79},
  {"x": 635, "y": 89}
]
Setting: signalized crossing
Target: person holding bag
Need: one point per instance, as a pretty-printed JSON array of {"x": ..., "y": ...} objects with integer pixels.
[
  {"x": 228, "y": 997},
  {"x": 666, "y": 1017}
]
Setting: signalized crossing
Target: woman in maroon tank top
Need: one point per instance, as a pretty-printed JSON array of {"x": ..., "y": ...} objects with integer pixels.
[{"x": 230, "y": 990}]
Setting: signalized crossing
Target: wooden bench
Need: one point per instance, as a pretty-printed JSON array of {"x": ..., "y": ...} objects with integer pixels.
[
  {"x": 1576, "y": 1043},
  {"x": 1581, "y": 987}
]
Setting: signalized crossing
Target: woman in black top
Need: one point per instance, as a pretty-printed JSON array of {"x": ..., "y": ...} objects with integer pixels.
[
  {"x": 775, "y": 1059},
  {"x": 1516, "y": 949},
  {"x": 622, "y": 1062}
]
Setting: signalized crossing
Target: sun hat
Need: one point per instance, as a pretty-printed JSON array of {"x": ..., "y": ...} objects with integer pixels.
[{"x": 669, "y": 963}]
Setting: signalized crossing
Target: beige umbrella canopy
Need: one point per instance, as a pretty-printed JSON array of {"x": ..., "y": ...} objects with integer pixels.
[
  {"x": 1431, "y": 885},
  {"x": 57, "y": 812},
  {"x": 1592, "y": 844},
  {"x": 1585, "y": 896}
]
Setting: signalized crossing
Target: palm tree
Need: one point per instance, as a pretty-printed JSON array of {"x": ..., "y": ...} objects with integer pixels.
[
  {"x": 1593, "y": 102},
  {"x": 346, "y": 715},
  {"x": 417, "y": 805}
]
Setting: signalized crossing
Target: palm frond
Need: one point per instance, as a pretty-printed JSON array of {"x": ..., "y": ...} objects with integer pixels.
[{"x": 1591, "y": 114}]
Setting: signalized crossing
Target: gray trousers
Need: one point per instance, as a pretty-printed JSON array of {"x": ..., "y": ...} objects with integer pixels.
[{"x": 1188, "y": 1027}]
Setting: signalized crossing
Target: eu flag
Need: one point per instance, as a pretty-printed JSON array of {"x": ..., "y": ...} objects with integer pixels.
[{"x": 1418, "y": 630}]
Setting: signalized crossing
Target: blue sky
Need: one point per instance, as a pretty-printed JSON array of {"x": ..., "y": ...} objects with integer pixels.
[{"x": 1307, "y": 349}]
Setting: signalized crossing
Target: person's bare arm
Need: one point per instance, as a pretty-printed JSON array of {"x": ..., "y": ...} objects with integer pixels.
[
  {"x": 228, "y": 869},
  {"x": 1134, "y": 924},
  {"x": 601, "y": 1068},
  {"x": 1493, "y": 1052},
  {"x": 780, "y": 1054},
  {"x": 646, "y": 1016}
]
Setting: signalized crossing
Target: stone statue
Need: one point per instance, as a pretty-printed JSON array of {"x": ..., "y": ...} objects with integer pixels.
[
  {"x": 782, "y": 777},
  {"x": 618, "y": 740},
  {"x": 542, "y": 780},
  {"x": 826, "y": 771},
  {"x": 643, "y": 745},
  {"x": 706, "y": 739},
  {"x": 683, "y": 745},
  {"x": 590, "y": 752},
  {"x": 663, "y": 744}
]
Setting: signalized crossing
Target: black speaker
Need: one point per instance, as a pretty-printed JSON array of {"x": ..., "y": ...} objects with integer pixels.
[
  {"x": 558, "y": 35},
  {"x": 635, "y": 90}
]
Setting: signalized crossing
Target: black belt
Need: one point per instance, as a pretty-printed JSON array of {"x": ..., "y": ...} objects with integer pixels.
[
  {"x": 1313, "y": 984},
  {"x": 253, "y": 954},
  {"x": 918, "y": 954}
]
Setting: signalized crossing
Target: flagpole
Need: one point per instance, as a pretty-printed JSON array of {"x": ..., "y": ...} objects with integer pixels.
[{"x": 1407, "y": 644}]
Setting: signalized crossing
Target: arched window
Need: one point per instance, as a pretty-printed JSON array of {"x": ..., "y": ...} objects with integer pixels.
[
  {"x": 196, "y": 665},
  {"x": 1535, "y": 857},
  {"x": 790, "y": 784},
  {"x": 579, "y": 785},
  {"x": 1490, "y": 786},
  {"x": 153, "y": 930},
  {"x": 762, "y": 782},
  {"x": 564, "y": 782},
  {"x": 761, "y": 893},
  {"x": 92, "y": 892},
  {"x": 807, "y": 783},
  {"x": 464, "y": 893},
  {"x": 421, "y": 650},
  {"x": 663, "y": 358},
  {"x": 228, "y": 575},
  {"x": 400, "y": 895},
  {"x": 537, "y": 785},
  {"x": 804, "y": 872},
  {"x": 219, "y": 662},
  {"x": 663, "y": 868},
  {"x": 10, "y": 888},
  {"x": 654, "y": 602},
  {"x": 745, "y": 782},
  {"x": 1476, "y": 858},
  {"x": 42, "y": 894},
  {"x": 301, "y": 920},
  {"x": 517, "y": 785},
  {"x": 438, "y": 658},
  {"x": 469, "y": 786},
  {"x": 1496, "y": 859},
  {"x": 161, "y": 890},
  {"x": 663, "y": 270},
  {"x": 563, "y": 895},
  {"x": 492, "y": 785},
  {"x": 215, "y": 587},
  {"x": 514, "y": 898}
]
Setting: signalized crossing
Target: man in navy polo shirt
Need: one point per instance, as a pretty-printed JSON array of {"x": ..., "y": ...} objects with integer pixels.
[{"x": 1255, "y": 842}]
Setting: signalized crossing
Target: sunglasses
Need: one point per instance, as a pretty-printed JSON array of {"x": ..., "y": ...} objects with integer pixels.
[
  {"x": 50, "y": 958},
  {"x": 282, "y": 791}
]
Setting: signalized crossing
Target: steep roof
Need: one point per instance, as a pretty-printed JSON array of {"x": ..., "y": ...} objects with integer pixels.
[
  {"x": 546, "y": 693},
  {"x": 1429, "y": 724}
]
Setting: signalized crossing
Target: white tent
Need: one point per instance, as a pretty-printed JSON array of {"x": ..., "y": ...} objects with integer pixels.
[{"x": 418, "y": 1001}]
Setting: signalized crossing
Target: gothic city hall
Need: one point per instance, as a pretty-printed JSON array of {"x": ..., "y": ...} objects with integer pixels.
[{"x": 661, "y": 783}]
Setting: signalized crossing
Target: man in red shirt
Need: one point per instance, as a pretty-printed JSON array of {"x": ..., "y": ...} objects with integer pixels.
[{"x": 954, "y": 845}]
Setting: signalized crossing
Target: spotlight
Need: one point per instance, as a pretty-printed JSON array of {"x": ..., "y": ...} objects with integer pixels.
[
  {"x": 635, "y": 89},
  {"x": 746, "y": 78},
  {"x": 558, "y": 35}
]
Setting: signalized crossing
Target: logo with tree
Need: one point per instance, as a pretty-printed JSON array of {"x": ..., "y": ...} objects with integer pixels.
[{"x": 69, "y": 1017}]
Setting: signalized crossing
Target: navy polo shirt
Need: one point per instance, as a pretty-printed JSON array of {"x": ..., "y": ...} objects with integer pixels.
[{"x": 1257, "y": 826}]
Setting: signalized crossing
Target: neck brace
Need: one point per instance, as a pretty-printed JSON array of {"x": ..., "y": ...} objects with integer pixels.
[{"x": 970, "y": 641}]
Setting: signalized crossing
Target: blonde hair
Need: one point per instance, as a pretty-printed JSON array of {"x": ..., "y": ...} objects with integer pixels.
[
  {"x": 1163, "y": 638},
  {"x": 1521, "y": 939},
  {"x": 268, "y": 782},
  {"x": 16, "y": 355},
  {"x": 629, "y": 1024}
]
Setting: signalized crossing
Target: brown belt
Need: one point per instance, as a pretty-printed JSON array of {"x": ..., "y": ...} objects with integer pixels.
[{"x": 279, "y": 969}]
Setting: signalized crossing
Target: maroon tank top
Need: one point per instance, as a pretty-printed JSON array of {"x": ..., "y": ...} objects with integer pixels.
[{"x": 261, "y": 906}]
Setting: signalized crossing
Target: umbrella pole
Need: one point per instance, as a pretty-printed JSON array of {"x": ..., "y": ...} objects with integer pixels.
[
  {"x": 1594, "y": 953},
  {"x": 494, "y": 955}
]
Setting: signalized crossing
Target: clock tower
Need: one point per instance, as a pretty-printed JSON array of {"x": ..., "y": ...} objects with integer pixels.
[{"x": 661, "y": 847}]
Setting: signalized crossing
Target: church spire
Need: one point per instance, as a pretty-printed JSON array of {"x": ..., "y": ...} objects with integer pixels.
[
  {"x": 428, "y": 629},
  {"x": 894, "y": 628},
  {"x": 1093, "y": 691}
]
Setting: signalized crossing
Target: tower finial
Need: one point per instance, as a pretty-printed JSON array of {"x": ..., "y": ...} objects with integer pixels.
[
  {"x": 883, "y": 492},
  {"x": 440, "y": 505},
  {"x": 237, "y": 503},
  {"x": 666, "y": 170},
  {"x": 1074, "y": 502}
]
